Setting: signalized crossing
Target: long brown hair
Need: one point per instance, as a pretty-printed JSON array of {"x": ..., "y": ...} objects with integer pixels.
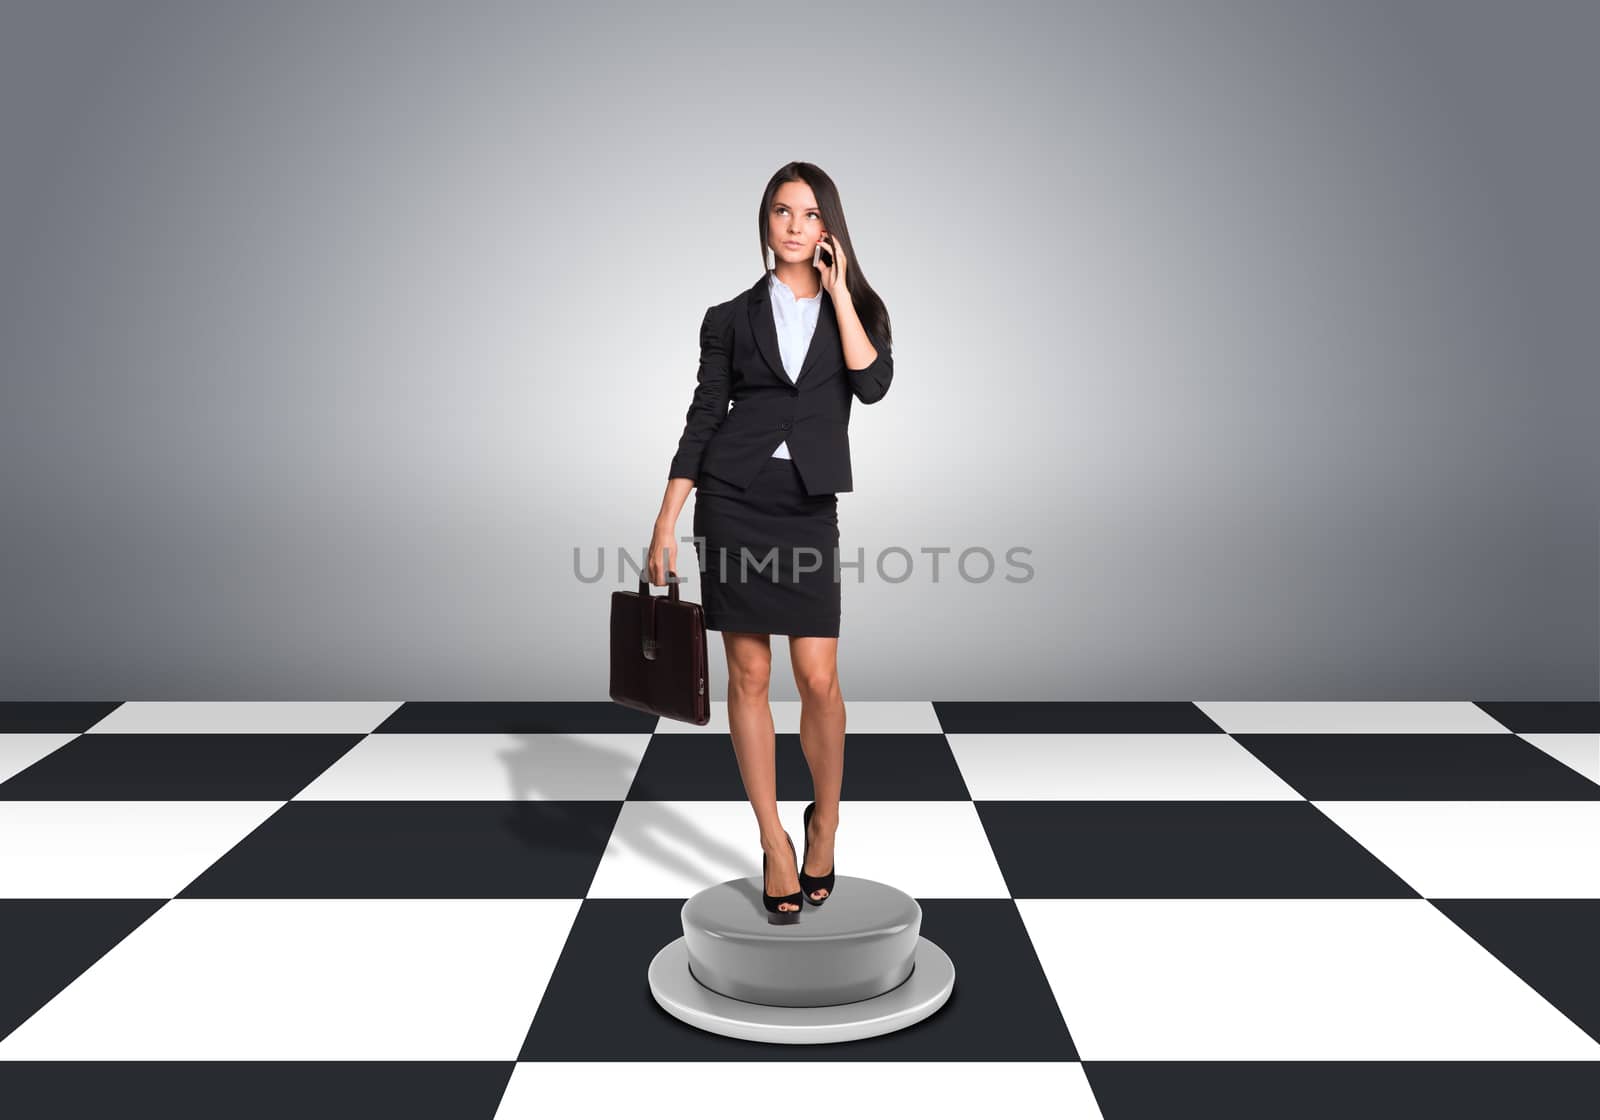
[{"x": 874, "y": 315}]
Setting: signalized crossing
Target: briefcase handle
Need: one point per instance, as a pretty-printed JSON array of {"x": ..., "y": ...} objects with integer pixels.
[{"x": 647, "y": 607}]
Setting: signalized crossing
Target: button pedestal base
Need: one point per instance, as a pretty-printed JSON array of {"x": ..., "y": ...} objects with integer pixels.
[{"x": 855, "y": 967}]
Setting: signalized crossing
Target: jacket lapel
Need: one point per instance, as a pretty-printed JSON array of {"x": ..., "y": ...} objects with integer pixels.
[{"x": 764, "y": 326}]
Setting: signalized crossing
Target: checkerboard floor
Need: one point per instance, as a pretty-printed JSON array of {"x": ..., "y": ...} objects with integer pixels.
[{"x": 448, "y": 909}]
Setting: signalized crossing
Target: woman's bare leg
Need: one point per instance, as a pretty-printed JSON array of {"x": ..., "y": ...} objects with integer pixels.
[
  {"x": 755, "y": 746},
  {"x": 822, "y": 720}
]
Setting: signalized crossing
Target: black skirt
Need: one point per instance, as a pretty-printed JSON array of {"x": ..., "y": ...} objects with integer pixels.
[{"x": 768, "y": 554}]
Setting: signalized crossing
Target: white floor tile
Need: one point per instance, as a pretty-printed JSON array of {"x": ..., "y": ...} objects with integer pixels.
[
  {"x": 309, "y": 979},
  {"x": 117, "y": 849},
  {"x": 1130, "y": 767},
  {"x": 1287, "y": 979},
  {"x": 1578, "y": 750},
  {"x": 483, "y": 767},
  {"x": 216, "y": 717},
  {"x": 20, "y": 751},
  {"x": 845, "y": 1090},
  {"x": 672, "y": 849},
  {"x": 1349, "y": 717},
  {"x": 1481, "y": 849}
]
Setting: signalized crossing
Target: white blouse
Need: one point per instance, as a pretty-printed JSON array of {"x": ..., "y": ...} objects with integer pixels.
[{"x": 796, "y": 320}]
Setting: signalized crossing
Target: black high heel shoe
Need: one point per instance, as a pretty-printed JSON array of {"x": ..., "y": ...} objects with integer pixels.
[
  {"x": 773, "y": 901},
  {"x": 809, "y": 883}
]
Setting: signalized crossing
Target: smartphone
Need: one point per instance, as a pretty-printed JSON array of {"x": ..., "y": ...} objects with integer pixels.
[{"x": 827, "y": 257}]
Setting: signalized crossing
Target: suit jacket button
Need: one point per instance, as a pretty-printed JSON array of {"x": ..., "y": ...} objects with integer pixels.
[{"x": 785, "y": 425}]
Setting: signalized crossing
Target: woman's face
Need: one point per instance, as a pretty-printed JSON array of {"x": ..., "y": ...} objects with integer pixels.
[{"x": 794, "y": 224}]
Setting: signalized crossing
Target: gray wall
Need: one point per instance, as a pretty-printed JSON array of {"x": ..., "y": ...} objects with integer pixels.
[{"x": 331, "y": 331}]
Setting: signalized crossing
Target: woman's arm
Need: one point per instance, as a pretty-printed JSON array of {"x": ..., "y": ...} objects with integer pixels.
[
  {"x": 871, "y": 380},
  {"x": 663, "y": 556},
  {"x": 672, "y": 502},
  {"x": 709, "y": 408}
]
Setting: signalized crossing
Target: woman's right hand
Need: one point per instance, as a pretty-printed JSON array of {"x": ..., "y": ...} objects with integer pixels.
[{"x": 663, "y": 539}]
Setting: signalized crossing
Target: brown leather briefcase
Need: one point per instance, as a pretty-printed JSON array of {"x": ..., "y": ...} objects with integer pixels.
[{"x": 658, "y": 653}]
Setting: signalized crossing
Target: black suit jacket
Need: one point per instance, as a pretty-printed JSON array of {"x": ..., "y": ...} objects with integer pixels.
[{"x": 740, "y": 363}]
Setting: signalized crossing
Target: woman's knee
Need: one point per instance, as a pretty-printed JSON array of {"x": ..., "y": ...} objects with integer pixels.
[
  {"x": 817, "y": 686},
  {"x": 749, "y": 663}
]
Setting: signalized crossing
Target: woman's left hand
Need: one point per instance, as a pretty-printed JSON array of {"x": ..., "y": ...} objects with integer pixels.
[{"x": 832, "y": 276}]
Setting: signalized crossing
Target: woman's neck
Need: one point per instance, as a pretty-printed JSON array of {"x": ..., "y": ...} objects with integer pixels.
[{"x": 800, "y": 279}]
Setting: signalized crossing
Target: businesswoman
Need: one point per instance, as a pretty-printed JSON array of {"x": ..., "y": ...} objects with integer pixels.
[{"x": 766, "y": 446}]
